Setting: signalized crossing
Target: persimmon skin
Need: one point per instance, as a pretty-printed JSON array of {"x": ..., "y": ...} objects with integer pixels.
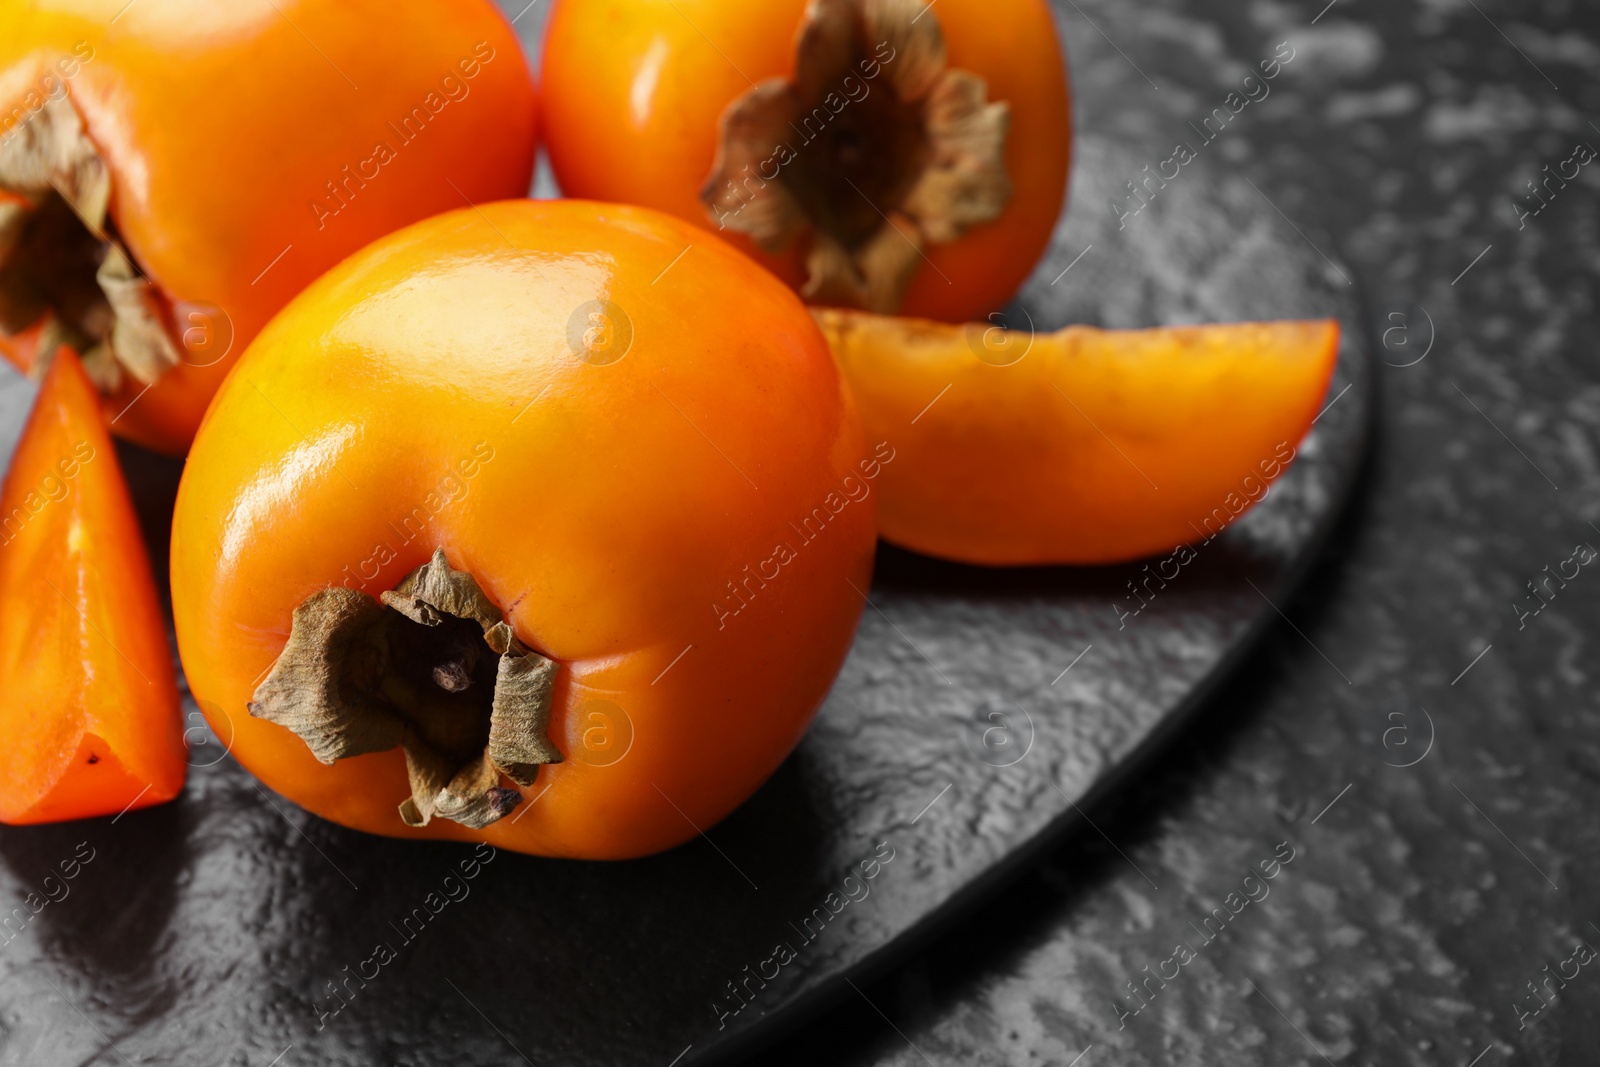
[
  {"x": 91, "y": 708},
  {"x": 222, "y": 123},
  {"x": 632, "y": 91},
  {"x": 427, "y": 386},
  {"x": 1084, "y": 446}
]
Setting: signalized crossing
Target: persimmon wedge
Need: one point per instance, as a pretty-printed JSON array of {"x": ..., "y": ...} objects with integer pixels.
[
  {"x": 1081, "y": 446},
  {"x": 90, "y": 714}
]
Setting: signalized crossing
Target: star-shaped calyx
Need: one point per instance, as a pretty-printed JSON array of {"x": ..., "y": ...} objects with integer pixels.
[
  {"x": 62, "y": 266},
  {"x": 874, "y": 151},
  {"x": 433, "y": 668}
]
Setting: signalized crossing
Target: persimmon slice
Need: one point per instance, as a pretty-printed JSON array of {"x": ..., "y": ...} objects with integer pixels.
[
  {"x": 1081, "y": 446},
  {"x": 90, "y": 710}
]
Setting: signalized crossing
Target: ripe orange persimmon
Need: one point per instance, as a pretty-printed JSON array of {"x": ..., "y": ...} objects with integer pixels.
[
  {"x": 893, "y": 155},
  {"x": 1081, "y": 446},
  {"x": 516, "y": 485},
  {"x": 90, "y": 712},
  {"x": 173, "y": 171}
]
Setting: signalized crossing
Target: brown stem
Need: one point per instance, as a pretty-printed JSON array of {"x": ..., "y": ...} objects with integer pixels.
[
  {"x": 359, "y": 675},
  {"x": 459, "y": 657}
]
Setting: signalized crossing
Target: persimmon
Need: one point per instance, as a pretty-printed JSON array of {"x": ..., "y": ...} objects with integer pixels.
[
  {"x": 91, "y": 702},
  {"x": 531, "y": 533},
  {"x": 173, "y": 171},
  {"x": 892, "y": 155},
  {"x": 1080, "y": 446}
]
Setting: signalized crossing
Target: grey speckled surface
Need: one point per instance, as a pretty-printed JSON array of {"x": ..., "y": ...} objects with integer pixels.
[
  {"x": 1419, "y": 905},
  {"x": 1416, "y": 906}
]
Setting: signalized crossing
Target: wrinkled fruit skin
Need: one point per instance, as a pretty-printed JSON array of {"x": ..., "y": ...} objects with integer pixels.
[
  {"x": 222, "y": 128},
  {"x": 629, "y": 81},
  {"x": 605, "y": 471}
]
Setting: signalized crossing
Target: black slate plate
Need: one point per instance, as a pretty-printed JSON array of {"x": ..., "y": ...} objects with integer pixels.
[{"x": 225, "y": 928}]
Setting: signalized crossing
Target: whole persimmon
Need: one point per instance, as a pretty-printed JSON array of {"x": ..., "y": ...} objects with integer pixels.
[
  {"x": 515, "y": 528},
  {"x": 892, "y": 155},
  {"x": 172, "y": 172}
]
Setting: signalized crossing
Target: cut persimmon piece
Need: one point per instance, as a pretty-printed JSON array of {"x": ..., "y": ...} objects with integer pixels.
[
  {"x": 1080, "y": 446},
  {"x": 90, "y": 715}
]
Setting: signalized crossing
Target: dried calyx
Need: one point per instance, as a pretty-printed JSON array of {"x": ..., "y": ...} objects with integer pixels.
[
  {"x": 61, "y": 261},
  {"x": 876, "y": 149},
  {"x": 432, "y": 668}
]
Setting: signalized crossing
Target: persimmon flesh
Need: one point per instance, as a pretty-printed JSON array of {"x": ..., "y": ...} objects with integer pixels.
[
  {"x": 1080, "y": 446},
  {"x": 547, "y": 414},
  {"x": 90, "y": 713}
]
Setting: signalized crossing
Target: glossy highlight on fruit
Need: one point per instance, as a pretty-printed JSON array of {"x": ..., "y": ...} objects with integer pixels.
[
  {"x": 90, "y": 714},
  {"x": 1081, "y": 446},
  {"x": 883, "y": 154},
  {"x": 172, "y": 172},
  {"x": 663, "y": 491}
]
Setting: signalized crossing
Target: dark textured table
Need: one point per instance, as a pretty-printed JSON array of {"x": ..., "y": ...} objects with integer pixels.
[
  {"x": 1423, "y": 899},
  {"x": 1367, "y": 848}
]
